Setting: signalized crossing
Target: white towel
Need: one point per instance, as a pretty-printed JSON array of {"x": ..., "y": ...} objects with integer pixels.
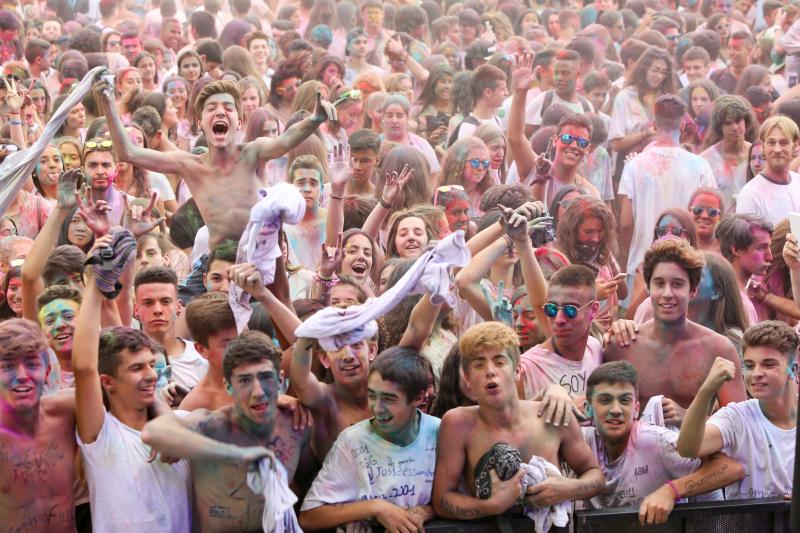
[
  {"x": 281, "y": 203},
  {"x": 17, "y": 167},
  {"x": 335, "y": 327},
  {"x": 278, "y": 516},
  {"x": 653, "y": 413},
  {"x": 535, "y": 471}
]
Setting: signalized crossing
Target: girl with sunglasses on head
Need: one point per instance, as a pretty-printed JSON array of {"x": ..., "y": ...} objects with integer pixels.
[
  {"x": 707, "y": 208},
  {"x": 467, "y": 163},
  {"x": 671, "y": 224}
]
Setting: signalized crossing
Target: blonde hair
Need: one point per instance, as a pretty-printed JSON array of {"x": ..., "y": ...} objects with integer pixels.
[
  {"x": 787, "y": 126},
  {"x": 486, "y": 336}
]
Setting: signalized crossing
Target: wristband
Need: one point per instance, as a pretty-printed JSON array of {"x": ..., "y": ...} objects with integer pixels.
[
  {"x": 327, "y": 284},
  {"x": 334, "y": 197},
  {"x": 15, "y": 122},
  {"x": 509, "y": 243},
  {"x": 675, "y": 490},
  {"x": 384, "y": 204}
]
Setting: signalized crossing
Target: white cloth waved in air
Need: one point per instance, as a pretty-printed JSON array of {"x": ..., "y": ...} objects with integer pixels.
[
  {"x": 336, "y": 328},
  {"x": 535, "y": 471},
  {"x": 281, "y": 203}
]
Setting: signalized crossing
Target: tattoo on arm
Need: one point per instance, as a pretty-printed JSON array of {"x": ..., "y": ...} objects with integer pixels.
[
  {"x": 697, "y": 486},
  {"x": 459, "y": 512}
]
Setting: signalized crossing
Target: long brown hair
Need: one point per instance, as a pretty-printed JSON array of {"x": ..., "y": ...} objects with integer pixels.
[{"x": 581, "y": 209}]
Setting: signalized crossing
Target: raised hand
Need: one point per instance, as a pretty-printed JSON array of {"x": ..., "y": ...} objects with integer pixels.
[
  {"x": 791, "y": 252},
  {"x": 516, "y": 224},
  {"x": 331, "y": 259},
  {"x": 67, "y": 187},
  {"x": 395, "y": 183},
  {"x": 532, "y": 210},
  {"x": 338, "y": 163},
  {"x": 523, "y": 75},
  {"x": 721, "y": 371},
  {"x": 14, "y": 99},
  {"x": 103, "y": 91},
  {"x": 394, "y": 46},
  {"x": 323, "y": 110},
  {"x": 501, "y": 308},
  {"x": 138, "y": 217},
  {"x": 247, "y": 276},
  {"x": 94, "y": 214}
]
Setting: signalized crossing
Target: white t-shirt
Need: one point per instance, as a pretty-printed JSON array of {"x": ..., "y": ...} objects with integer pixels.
[
  {"x": 768, "y": 199},
  {"x": 765, "y": 451},
  {"x": 467, "y": 129},
  {"x": 126, "y": 492},
  {"x": 730, "y": 180},
  {"x": 649, "y": 460},
  {"x": 542, "y": 367},
  {"x": 533, "y": 111},
  {"x": 189, "y": 367},
  {"x": 363, "y": 466},
  {"x": 659, "y": 178},
  {"x": 160, "y": 183}
]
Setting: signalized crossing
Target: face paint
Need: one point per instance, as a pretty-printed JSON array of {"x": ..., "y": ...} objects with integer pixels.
[
  {"x": 22, "y": 380},
  {"x": 706, "y": 290},
  {"x": 57, "y": 319}
]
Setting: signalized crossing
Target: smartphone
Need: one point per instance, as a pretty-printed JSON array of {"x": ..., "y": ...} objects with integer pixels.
[
  {"x": 550, "y": 152},
  {"x": 621, "y": 275},
  {"x": 792, "y": 79},
  {"x": 794, "y": 223}
]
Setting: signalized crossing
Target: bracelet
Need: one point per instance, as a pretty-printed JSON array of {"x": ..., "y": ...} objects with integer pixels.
[
  {"x": 674, "y": 490},
  {"x": 15, "y": 122},
  {"x": 384, "y": 204},
  {"x": 334, "y": 197},
  {"x": 509, "y": 242},
  {"x": 327, "y": 284}
]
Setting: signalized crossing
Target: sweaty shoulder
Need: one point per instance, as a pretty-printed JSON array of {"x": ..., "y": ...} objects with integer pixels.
[
  {"x": 463, "y": 417},
  {"x": 61, "y": 403},
  {"x": 709, "y": 336}
]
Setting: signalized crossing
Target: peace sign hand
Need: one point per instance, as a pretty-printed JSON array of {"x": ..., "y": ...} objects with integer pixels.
[
  {"x": 499, "y": 305},
  {"x": 14, "y": 99}
]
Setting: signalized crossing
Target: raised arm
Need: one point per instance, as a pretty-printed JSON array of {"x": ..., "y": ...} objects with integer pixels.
[
  {"x": 309, "y": 389},
  {"x": 524, "y": 155},
  {"x": 267, "y": 149},
  {"x": 420, "y": 323},
  {"x": 395, "y": 47},
  {"x": 339, "y": 176},
  {"x": 468, "y": 279},
  {"x": 89, "y": 409},
  {"x": 126, "y": 150},
  {"x": 391, "y": 191},
  {"x": 732, "y": 390},
  {"x": 535, "y": 282},
  {"x": 696, "y": 438},
  {"x": 248, "y": 277},
  {"x": 44, "y": 243}
]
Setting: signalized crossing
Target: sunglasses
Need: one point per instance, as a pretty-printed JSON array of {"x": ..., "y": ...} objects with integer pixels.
[
  {"x": 567, "y": 139},
  {"x": 662, "y": 231},
  {"x": 444, "y": 189},
  {"x": 698, "y": 211},
  {"x": 89, "y": 146},
  {"x": 672, "y": 38},
  {"x": 570, "y": 310},
  {"x": 476, "y": 163}
]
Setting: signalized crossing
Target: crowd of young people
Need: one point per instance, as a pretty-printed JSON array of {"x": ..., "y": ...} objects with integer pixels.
[{"x": 292, "y": 265}]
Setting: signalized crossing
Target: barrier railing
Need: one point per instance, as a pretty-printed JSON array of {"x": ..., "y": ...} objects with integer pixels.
[{"x": 737, "y": 516}]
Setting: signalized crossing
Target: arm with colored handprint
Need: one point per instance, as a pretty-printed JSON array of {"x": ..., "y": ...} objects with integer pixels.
[
  {"x": 339, "y": 176},
  {"x": 45, "y": 241},
  {"x": 391, "y": 192},
  {"x": 468, "y": 280},
  {"x": 535, "y": 282}
]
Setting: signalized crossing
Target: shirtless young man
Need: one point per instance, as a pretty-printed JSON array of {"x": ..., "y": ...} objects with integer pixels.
[
  {"x": 671, "y": 353},
  {"x": 224, "y": 181},
  {"x": 490, "y": 361},
  {"x": 37, "y": 436},
  {"x": 213, "y": 327},
  {"x": 223, "y": 444}
]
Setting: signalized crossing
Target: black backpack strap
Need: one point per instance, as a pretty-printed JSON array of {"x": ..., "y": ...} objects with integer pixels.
[
  {"x": 469, "y": 120},
  {"x": 548, "y": 100}
]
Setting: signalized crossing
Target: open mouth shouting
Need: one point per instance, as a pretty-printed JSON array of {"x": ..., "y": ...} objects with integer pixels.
[
  {"x": 359, "y": 268},
  {"x": 492, "y": 388},
  {"x": 219, "y": 128}
]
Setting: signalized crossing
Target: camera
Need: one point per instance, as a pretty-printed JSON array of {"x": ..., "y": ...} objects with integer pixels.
[{"x": 107, "y": 256}]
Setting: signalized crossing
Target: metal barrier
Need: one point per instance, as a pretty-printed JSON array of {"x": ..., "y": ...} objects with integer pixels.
[{"x": 735, "y": 516}]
